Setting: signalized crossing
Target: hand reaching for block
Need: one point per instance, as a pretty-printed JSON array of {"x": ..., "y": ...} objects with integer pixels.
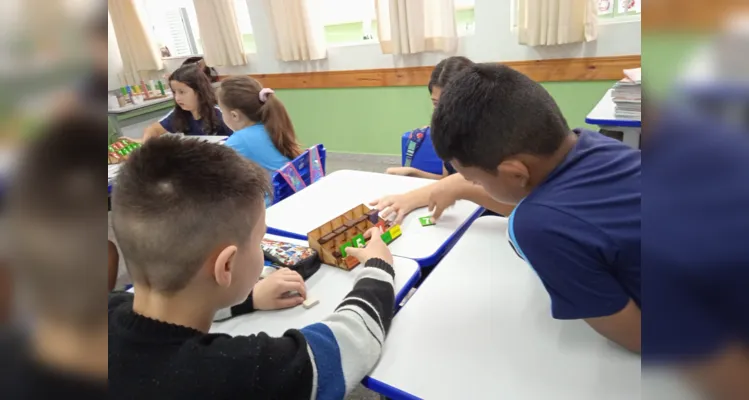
[{"x": 375, "y": 248}]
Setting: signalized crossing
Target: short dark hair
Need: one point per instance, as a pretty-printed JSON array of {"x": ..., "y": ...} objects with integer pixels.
[
  {"x": 56, "y": 217},
  {"x": 446, "y": 70},
  {"x": 178, "y": 199},
  {"x": 490, "y": 112}
]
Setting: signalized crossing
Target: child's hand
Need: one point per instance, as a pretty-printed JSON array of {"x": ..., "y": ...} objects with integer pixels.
[
  {"x": 271, "y": 292},
  {"x": 402, "y": 171},
  {"x": 375, "y": 248},
  {"x": 400, "y": 204},
  {"x": 443, "y": 195}
]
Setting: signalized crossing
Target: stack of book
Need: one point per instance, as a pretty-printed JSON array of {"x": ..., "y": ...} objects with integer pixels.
[{"x": 627, "y": 95}]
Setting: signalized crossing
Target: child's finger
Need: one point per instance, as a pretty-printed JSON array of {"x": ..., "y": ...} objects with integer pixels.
[
  {"x": 289, "y": 302},
  {"x": 372, "y": 233},
  {"x": 384, "y": 214},
  {"x": 354, "y": 251},
  {"x": 437, "y": 213}
]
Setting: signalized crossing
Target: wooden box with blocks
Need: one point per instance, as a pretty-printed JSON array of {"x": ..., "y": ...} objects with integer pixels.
[{"x": 331, "y": 239}]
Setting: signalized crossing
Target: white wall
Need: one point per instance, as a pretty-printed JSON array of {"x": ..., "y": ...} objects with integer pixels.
[{"x": 493, "y": 40}]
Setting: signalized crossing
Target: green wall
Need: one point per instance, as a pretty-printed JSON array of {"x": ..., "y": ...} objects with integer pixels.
[{"x": 372, "y": 120}]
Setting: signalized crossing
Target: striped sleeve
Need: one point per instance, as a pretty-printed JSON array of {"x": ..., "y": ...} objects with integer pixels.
[{"x": 345, "y": 346}]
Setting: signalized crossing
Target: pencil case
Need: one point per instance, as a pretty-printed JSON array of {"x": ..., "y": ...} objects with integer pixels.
[{"x": 301, "y": 259}]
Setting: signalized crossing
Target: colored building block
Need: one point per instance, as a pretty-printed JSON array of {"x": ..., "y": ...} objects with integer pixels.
[
  {"x": 358, "y": 241},
  {"x": 395, "y": 232},
  {"x": 426, "y": 221},
  {"x": 381, "y": 225},
  {"x": 351, "y": 261},
  {"x": 386, "y": 237},
  {"x": 343, "y": 248}
]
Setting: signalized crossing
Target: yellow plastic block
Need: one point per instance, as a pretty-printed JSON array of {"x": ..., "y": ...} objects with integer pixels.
[{"x": 395, "y": 232}]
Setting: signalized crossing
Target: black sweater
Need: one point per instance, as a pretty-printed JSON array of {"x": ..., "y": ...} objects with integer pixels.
[{"x": 151, "y": 359}]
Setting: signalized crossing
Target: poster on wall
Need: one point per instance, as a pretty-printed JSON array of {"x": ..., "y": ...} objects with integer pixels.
[
  {"x": 626, "y": 6},
  {"x": 605, "y": 7}
]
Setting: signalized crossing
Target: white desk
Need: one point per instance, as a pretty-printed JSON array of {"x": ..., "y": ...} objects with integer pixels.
[
  {"x": 342, "y": 190},
  {"x": 481, "y": 328},
  {"x": 329, "y": 285},
  {"x": 604, "y": 115}
]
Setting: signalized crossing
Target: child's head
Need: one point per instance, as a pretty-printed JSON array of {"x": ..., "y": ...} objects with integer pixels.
[
  {"x": 497, "y": 126},
  {"x": 200, "y": 62},
  {"x": 193, "y": 93},
  {"x": 243, "y": 102},
  {"x": 190, "y": 215},
  {"x": 443, "y": 73}
]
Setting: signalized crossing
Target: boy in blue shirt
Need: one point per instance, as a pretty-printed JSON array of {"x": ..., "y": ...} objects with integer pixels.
[{"x": 576, "y": 193}]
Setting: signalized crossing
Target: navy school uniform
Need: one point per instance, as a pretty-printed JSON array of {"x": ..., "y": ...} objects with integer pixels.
[
  {"x": 580, "y": 229},
  {"x": 696, "y": 241},
  {"x": 195, "y": 126}
]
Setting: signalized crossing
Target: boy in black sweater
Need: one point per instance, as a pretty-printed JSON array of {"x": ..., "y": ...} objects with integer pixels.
[{"x": 189, "y": 217}]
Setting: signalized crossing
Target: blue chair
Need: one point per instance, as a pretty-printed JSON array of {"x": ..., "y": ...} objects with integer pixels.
[
  {"x": 299, "y": 173},
  {"x": 424, "y": 157}
]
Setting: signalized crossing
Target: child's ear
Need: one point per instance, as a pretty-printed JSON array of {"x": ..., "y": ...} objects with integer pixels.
[
  {"x": 234, "y": 115},
  {"x": 515, "y": 171},
  {"x": 223, "y": 267}
]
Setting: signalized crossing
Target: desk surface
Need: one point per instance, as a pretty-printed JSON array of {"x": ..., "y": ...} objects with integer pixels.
[
  {"x": 329, "y": 285},
  {"x": 604, "y": 114},
  {"x": 343, "y": 190},
  {"x": 133, "y": 107},
  {"x": 480, "y": 327}
]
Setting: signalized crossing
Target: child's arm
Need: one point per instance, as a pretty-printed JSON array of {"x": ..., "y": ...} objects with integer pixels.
[
  {"x": 153, "y": 131},
  {"x": 623, "y": 327},
  {"x": 269, "y": 294},
  {"x": 455, "y": 187},
  {"x": 414, "y": 172},
  {"x": 325, "y": 360}
]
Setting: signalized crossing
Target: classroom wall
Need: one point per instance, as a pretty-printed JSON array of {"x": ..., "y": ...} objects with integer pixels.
[{"x": 370, "y": 120}]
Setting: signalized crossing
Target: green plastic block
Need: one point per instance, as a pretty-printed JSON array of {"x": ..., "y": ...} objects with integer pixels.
[
  {"x": 358, "y": 241},
  {"x": 343, "y": 248},
  {"x": 386, "y": 237}
]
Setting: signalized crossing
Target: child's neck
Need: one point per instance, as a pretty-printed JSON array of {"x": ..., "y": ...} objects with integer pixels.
[
  {"x": 245, "y": 124},
  {"x": 195, "y": 114},
  {"x": 182, "y": 308},
  {"x": 542, "y": 169}
]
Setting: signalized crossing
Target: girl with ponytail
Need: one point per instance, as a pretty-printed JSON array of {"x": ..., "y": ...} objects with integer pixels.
[{"x": 263, "y": 131}]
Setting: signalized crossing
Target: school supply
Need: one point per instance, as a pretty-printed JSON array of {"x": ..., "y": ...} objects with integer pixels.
[
  {"x": 421, "y": 155},
  {"x": 304, "y": 260},
  {"x": 306, "y": 169},
  {"x": 120, "y": 150},
  {"x": 426, "y": 221}
]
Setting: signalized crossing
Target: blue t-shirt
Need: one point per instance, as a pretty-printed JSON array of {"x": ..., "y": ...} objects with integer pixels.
[
  {"x": 254, "y": 143},
  {"x": 195, "y": 127},
  {"x": 580, "y": 229},
  {"x": 696, "y": 238}
]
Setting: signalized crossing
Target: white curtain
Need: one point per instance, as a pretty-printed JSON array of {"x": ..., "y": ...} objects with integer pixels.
[
  {"x": 219, "y": 30},
  {"x": 416, "y": 26},
  {"x": 552, "y": 22},
  {"x": 140, "y": 57},
  {"x": 298, "y": 30}
]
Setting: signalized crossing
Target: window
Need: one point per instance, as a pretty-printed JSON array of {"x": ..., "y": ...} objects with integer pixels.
[
  {"x": 175, "y": 26},
  {"x": 349, "y": 21},
  {"x": 465, "y": 16},
  {"x": 352, "y": 21},
  {"x": 608, "y": 10},
  {"x": 245, "y": 26}
]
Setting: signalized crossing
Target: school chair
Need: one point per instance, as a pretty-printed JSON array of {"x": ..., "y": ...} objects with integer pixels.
[
  {"x": 306, "y": 169},
  {"x": 417, "y": 151}
]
